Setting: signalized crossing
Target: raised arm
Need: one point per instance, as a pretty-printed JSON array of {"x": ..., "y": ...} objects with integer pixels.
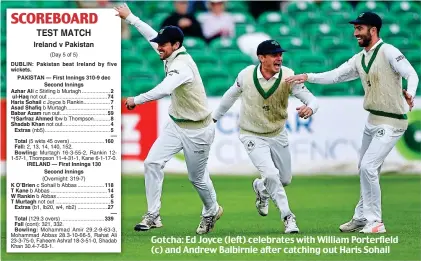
[
  {"x": 229, "y": 98},
  {"x": 402, "y": 66},
  {"x": 144, "y": 29},
  {"x": 346, "y": 72}
]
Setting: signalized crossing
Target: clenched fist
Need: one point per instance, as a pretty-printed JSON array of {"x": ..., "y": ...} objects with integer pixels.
[
  {"x": 130, "y": 105},
  {"x": 304, "y": 112},
  {"x": 409, "y": 99}
]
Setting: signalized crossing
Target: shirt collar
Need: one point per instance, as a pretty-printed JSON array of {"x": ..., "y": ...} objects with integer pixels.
[
  {"x": 174, "y": 54},
  {"x": 373, "y": 47},
  {"x": 260, "y": 75}
]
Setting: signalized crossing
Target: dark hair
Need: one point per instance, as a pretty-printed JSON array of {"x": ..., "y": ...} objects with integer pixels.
[
  {"x": 174, "y": 41},
  {"x": 371, "y": 26}
]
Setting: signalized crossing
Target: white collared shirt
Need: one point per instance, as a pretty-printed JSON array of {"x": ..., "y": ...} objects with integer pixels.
[
  {"x": 261, "y": 78},
  {"x": 235, "y": 91},
  {"x": 348, "y": 70}
]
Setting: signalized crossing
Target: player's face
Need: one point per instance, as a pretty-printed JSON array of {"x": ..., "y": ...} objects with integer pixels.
[
  {"x": 166, "y": 49},
  {"x": 272, "y": 62},
  {"x": 363, "y": 35},
  {"x": 181, "y": 7},
  {"x": 218, "y": 7}
]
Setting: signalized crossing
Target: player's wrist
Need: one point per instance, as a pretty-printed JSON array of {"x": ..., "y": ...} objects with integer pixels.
[
  {"x": 309, "y": 77},
  {"x": 138, "y": 100},
  {"x": 130, "y": 17}
]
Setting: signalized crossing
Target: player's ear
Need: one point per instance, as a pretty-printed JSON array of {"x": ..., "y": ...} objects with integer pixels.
[
  {"x": 261, "y": 57},
  {"x": 176, "y": 46},
  {"x": 373, "y": 30}
]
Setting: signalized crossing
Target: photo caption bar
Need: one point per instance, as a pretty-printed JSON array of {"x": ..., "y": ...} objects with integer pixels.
[{"x": 63, "y": 127}]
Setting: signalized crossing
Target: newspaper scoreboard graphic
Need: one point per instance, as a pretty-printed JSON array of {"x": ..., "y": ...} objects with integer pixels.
[{"x": 63, "y": 130}]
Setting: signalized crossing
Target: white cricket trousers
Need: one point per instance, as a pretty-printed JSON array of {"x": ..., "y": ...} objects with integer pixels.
[
  {"x": 272, "y": 159},
  {"x": 196, "y": 145},
  {"x": 377, "y": 143}
]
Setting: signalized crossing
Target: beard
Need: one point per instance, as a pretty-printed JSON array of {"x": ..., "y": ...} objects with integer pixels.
[
  {"x": 366, "y": 41},
  {"x": 164, "y": 56}
]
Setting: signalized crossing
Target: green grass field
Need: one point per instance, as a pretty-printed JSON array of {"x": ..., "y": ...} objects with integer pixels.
[{"x": 321, "y": 204}]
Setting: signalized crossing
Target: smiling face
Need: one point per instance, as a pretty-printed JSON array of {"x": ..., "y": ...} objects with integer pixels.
[
  {"x": 271, "y": 63},
  {"x": 364, "y": 34},
  {"x": 166, "y": 49}
]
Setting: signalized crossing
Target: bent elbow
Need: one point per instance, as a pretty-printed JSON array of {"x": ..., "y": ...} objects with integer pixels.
[{"x": 167, "y": 93}]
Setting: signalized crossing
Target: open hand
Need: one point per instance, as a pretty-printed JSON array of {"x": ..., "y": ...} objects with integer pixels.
[
  {"x": 409, "y": 99},
  {"x": 304, "y": 112},
  {"x": 130, "y": 105},
  {"x": 123, "y": 11},
  {"x": 299, "y": 78}
]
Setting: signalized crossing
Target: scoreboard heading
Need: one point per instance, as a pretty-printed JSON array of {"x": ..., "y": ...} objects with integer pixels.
[{"x": 54, "y": 18}]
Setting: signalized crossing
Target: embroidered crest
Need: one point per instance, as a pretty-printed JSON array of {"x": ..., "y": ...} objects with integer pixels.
[
  {"x": 265, "y": 108},
  {"x": 361, "y": 15},
  {"x": 161, "y": 31}
]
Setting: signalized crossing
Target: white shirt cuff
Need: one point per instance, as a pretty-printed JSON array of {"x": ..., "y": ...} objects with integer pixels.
[
  {"x": 138, "y": 99},
  {"x": 313, "y": 106},
  {"x": 131, "y": 18},
  {"x": 310, "y": 77}
]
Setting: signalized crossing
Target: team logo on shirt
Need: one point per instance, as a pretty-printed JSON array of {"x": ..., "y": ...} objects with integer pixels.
[{"x": 265, "y": 107}]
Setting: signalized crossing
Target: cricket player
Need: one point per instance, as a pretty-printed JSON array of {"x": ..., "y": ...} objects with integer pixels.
[
  {"x": 263, "y": 115},
  {"x": 190, "y": 128},
  {"x": 380, "y": 66}
]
